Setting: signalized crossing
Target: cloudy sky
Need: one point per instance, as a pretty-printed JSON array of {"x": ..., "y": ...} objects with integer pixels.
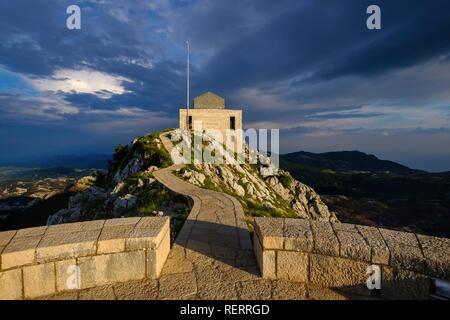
[{"x": 308, "y": 67}]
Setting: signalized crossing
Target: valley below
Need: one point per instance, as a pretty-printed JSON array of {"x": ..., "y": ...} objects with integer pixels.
[
  {"x": 29, "y": 195},
  {"x": 363, "y": 189}
]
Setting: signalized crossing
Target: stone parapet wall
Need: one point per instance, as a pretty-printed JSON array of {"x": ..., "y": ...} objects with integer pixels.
[
  {"x": 338, "y": 255},
  {"x": 42, "y": 261}
]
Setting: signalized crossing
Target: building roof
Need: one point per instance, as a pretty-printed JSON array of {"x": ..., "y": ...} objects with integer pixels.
[{"x": 209, "y": 100}]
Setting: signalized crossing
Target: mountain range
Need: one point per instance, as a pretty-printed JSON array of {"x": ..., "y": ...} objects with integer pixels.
[
  {"x": 357, "y": 187},
  {"x": 347, "y": 161}
]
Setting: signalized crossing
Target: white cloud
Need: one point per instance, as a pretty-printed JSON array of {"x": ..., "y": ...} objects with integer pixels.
[{"x": 101, "y": 84}]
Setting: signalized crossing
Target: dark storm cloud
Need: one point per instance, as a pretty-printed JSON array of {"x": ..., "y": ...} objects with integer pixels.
[
  {"x": 302, "y": 64},
  {"x": 328, "y": 39}
]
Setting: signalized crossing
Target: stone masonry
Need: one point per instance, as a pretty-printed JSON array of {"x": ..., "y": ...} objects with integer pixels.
[
  {"x": 209, "y": 112},
  {"x": 337, "y": 255},
  {"x": 37, "y": 262}
]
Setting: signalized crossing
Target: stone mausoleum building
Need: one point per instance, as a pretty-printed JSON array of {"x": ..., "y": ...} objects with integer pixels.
[{"x": 209, "y": 108}]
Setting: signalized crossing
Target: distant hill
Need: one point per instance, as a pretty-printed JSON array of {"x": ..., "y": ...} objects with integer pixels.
[
  {"x": 363, "y": 189},
  {"x": 347, "y": 161}
]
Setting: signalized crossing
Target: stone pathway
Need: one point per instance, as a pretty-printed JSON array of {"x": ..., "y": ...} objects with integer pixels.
[{"x": 211, "y": 258}]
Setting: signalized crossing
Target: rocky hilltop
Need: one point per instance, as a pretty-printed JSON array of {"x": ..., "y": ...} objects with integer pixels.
[
  {"x": 263, "y": 189},
  {"x": 128, "y": 188}
]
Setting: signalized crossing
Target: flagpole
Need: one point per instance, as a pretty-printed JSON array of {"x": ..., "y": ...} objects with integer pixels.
[{"x": 187, "y": 84}]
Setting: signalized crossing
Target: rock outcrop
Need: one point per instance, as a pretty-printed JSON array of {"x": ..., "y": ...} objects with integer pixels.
[
  {"x": 129, "y": 188},
  {"x": 257, "y": 185}
]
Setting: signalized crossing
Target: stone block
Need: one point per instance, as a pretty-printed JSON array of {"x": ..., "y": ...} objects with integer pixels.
[
  {"x": 111, "y": 268},
  {"x": 131, "y": 221},
  {"x": 56, "y": 246},
  {"x": 337, "y": 226},
  {"x": 380, "y": 250},
  {"x": 143, "y": 239},
  {"x": 156, "y": 258},
  {"x": 6, "y": 236},
  {"x": 353, "y": 246},
  {"x": 325, "y": 240},
  {"x": 31, "y": 232},
  {"x": 407, "y": 257},
  {"x": 339, "y": 273},
  {"x": 292, "y": 266},
  {"x": 39, "y": 280},
  {"x": 266, "y": 259},
  {"x": 112, "y": 238},
  {"x": 148, "y": 233},
  {"x": 270, "y": 232},
  {"x": 404, "y": 285},
  {"x": 394, "y": 237},
  {"x": 19, "y": 252},
  {"x": 75, "y": 227},
  {"x": 153, "y": 223},
  {"x": 298, "y": 235},
  {"x": 437, "y": 256},
  {"x": 11, "y": 285},
  {"x": 66, "y": 277}
]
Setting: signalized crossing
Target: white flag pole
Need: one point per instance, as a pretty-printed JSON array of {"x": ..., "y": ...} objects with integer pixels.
[{"x": 187, "y": 84}]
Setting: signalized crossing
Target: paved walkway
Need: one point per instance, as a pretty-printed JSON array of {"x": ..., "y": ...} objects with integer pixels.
[{"x": 211, "y": 258}]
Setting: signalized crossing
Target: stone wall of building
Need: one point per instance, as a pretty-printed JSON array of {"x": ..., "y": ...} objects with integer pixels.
[
  {"x": 42, "y": 261},
  {"x": 218, "y": 119},
  {"x": 338, "y": 255}
]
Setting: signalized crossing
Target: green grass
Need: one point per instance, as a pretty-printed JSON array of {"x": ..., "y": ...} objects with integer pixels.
[
  {"x": 286, "y": 180},
  {"x": 251, "y": 207},
  {"x": 149, "y": 147}
]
